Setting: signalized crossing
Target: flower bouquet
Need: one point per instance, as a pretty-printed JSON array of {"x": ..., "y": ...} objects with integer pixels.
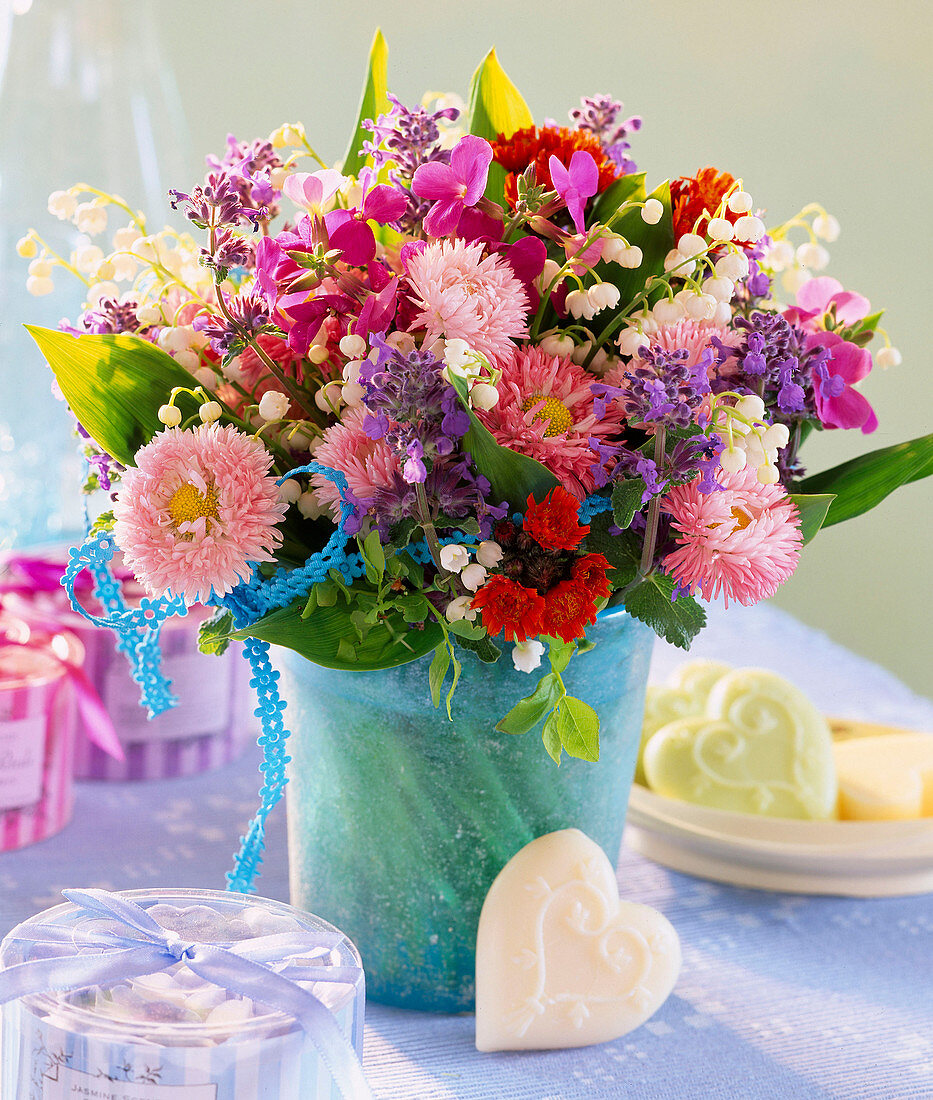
[{"x": 463, "y": 392}]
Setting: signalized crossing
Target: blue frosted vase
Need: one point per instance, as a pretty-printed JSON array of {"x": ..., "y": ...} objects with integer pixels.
[{"x": 399, "y": 820}]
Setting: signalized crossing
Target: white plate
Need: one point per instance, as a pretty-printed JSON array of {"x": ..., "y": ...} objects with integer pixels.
[{"x": 851, "y": 858}]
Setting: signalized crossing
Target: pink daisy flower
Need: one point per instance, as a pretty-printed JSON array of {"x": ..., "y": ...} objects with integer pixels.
[
  {"x": 197, "y": 510},
  {"x": 460, "y": 294},
  {"x": 368, "y": 464},
  {"x": 545, "y": 411},
  {"x": 743, "y": 542}
]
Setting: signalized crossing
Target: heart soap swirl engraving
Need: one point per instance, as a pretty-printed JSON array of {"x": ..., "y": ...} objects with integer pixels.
[
  {"x": 683, "y": 695},
  {"x": 760, "y": 747},
  {"x": 560, "y": 960}
]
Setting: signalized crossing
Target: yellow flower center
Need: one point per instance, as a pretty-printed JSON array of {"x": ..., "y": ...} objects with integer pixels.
[
  {"x": 742, "y": 519},
  {"x": 188, "y": 503},
  {"x": 558, "y": 417}
]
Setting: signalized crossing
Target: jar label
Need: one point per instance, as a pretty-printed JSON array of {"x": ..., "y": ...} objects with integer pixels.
[
  {"x": 22, "y": 754},
  {"x": 70, "y": 1084},
  {"x": 202, "y": 685}
]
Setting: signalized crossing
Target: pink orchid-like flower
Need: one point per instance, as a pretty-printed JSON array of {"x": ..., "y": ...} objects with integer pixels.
[
  {"x": 454, "y": 187},
  {"x": 349, "y": 230},
  {"x": 313, "y": 190},
  {"x": 575, "y": 184},
  {"x": 838, "y": 404},
  {"x": 816, "y": 297}
]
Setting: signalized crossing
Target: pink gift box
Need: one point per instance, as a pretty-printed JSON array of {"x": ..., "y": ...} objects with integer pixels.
[
  {"x": 38, "y": 724},
  {"x": 213, "y": 721}
]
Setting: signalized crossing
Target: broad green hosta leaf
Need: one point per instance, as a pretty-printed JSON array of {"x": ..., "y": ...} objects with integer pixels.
[
  {"x": 655, "y": 241},
  {"x": 114, "y": 385},
  {"x": 373, "y": 103},
  {"x": 512, "y": 475},
  {"x": 812, "y": 509},
  {"x": 496, "y": 107},
  {"x": 323, "y": 637},
  {"x": 861, "y": 483}
]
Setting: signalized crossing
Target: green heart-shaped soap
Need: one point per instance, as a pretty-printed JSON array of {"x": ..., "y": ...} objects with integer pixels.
[
  {"x": 683, "y": 695},
  {"x": 761, "y": 747}
]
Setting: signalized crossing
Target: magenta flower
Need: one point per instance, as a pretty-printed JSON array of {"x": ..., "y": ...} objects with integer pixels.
[
  {"x": 838, "y": 404},
  {"x": 454, "y": 186},
  {"x": 575, "y": 184},
  {"x": 817, "y": 296}
]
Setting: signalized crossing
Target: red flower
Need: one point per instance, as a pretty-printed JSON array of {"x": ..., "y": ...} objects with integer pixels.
[
  {"x": 509, "y": 606},
  {"x": 571, "y": 604},
  {"x": 691, "y": 195},
  {"x": 534, "y": 146},
  {"x": 553, "y": 523}
]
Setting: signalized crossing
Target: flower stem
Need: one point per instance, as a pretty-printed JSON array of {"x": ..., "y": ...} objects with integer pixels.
[
  {"x": 430, "y": 533},
  {"x": 654, "y": 510}
]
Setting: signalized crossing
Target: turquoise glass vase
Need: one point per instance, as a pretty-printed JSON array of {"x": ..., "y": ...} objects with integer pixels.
[{"x": 399, "y": 819}]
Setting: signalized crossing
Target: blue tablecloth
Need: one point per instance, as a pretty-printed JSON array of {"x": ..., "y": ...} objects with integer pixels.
[{"x": 781, "y": 996}]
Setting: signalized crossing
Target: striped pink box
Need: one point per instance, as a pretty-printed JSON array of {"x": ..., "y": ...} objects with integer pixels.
[
  {"x": 213, "y": 721},
  {"x": 38, "y": 723}
]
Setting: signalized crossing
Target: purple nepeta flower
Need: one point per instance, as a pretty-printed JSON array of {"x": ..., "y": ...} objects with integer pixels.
[
  {"x": 110, "y": 316},
  {"x": 411, "y": 406},
  {"x": 598, "y": 115},
  {"x": 250, "y": 164},
  {"x": 455, "y": 186},
  {"x": 408, "y": 138},
  {"x": 663, "y": 389},
  {"x": 230, "y": 250},
  {"x": 249, "y": 315},
  {"x": 105, "y": 468},
  {"x": 217, "y": 203},
  {"x": 453, "y": 492},
  {"x": 773, "y": 358}
]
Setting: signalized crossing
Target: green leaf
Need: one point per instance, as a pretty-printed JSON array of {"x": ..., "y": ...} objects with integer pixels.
[
  {"x": 678, "y": 622},
  {"x": 484, "y": 648},
  {"x": 346, "y": 651},
  {"x": 114, "y": 385},
  {"x": 812, "y": 509},
  {"x": 387, "y": 644},
  {"x": 213, "y": 633},
  {"x": 628, "y": 187},
  {"x": 512, "y": 476},
  {"x": 577, "y": 726},
  {"x": 374, "y": 556},
  {"x": 626, "y": 501},
  {"x": 458, "y": 668},
  {"x": 496, "y": 107},
  {"x": 373, "y": 103},
  {"x": 861, "y": 483},
  {"x": 438, "y": 670},
  {"x": 528, "y": 712},
  {"x": 655, "y": 241},
  {"x": 559, "y": 653},
  {"x": 623, "y": 552},
  {"x": 465, "y": 629},
  {"x": 550, "y": 735}
]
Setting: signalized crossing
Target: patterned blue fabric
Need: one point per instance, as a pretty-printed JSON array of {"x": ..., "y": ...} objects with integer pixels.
[{"x": 781, "y": 997}]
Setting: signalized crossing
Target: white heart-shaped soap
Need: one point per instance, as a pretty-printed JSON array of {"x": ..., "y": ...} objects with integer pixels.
[
  {"x": 560, "y": 960},
  {"x": 761, "y": 747}
]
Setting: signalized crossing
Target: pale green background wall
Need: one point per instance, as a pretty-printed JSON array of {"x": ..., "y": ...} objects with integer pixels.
[{"x": 825, "y": 101}]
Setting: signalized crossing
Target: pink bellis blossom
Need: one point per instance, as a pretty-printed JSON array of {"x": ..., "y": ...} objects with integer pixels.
[
  {"x": 461, "y": 294},
  {"x": 546, "y": 411},
  {"x": 454, "y": 187},
  {"x": 368, "y": 464},
  {"x": 838, "y": 403},
  {"x": 197, "y": 511},
  {"x": 741, "y": 543},
  {"x": 816, "y": 297},
  {"x": 575, "y": 184}
]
